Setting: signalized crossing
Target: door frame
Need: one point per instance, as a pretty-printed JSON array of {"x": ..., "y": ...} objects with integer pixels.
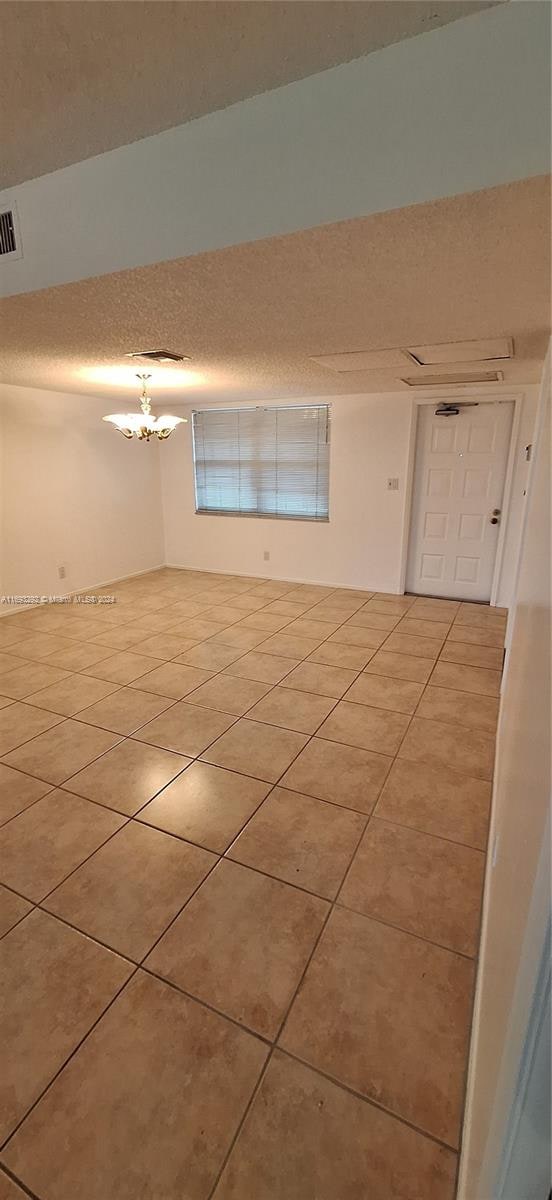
[{"x": 418, "y": 402}]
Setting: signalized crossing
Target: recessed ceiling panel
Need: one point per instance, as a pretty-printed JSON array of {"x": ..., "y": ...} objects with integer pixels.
[
  {"x": 363, "y": 360},
  {"x": 482, "y": 350}
]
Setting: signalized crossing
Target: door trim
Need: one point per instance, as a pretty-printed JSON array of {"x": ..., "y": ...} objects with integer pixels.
[{"x": 515, "y": 398}]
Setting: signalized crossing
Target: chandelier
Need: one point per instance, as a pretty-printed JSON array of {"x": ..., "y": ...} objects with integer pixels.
[{"x": 144, "y": 424}]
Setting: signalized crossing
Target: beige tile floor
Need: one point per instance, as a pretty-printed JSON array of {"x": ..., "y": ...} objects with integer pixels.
[{"x": 243, "y": 828}]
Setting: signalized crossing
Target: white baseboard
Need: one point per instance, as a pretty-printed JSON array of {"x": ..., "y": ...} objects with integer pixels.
[
  {"x": 9, "y": 610},
  {"x": 120, "y": 579},
  {"x": 352, "y": 587}
]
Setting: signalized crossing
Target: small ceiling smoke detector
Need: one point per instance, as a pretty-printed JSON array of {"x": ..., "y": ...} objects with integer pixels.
[
  {"x": 162, "y": 356},
  {"x": 427, "y": 381},
  {"x": 482, "y": 350}
]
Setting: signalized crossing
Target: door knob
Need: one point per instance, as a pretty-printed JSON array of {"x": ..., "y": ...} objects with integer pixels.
[{"x": 494, "y": 521}]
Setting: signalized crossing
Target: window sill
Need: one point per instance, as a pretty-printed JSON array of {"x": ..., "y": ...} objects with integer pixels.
[{"x": 215, "y": 512}]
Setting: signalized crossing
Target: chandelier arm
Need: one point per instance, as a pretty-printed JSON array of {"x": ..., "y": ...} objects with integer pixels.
[{"x": 144, "y": 425}]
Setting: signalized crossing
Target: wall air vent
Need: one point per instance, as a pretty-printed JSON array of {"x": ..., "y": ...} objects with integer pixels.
[
  {"x": 427, "y": 381},
  {"x": 10, "y": 241},
  {"x": 161, "y": 356},
  {"x": 7, "y": 233}
]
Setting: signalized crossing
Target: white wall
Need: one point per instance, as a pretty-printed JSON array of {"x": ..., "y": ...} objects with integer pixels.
[
  {"x": 362, "y": 544},
  {"x": 358, "y": 547},
  {"x": 454, "y": 110},
  {"x": 517, "y": 889},
  {"x": 2, "y": 547},
  {"x": 513, "y": 519},
  {"x": 75, "y": 492}
]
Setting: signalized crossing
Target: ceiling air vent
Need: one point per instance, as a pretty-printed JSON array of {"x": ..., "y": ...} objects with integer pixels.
[
  {"x": 425, "y": 381},
  {"x": 10, "y": 242},
  {"x": 162, "y": 356}
]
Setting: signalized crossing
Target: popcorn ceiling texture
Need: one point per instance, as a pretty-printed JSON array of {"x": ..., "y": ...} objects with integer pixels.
[
  {"x": 84, "y": 78},
  {"x": 250, "y": 315}
]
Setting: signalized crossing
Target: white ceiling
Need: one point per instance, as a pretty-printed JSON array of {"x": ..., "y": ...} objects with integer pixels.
[{"x": 254, "y": 317}]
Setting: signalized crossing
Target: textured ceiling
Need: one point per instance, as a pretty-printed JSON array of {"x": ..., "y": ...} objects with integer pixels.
[
  {"x": 251, "y": 316},
  {"x": 81, "y": 78}
]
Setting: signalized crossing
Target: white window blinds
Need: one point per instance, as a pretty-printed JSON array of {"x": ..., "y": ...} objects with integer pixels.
[{"x": 266, "y": 462}]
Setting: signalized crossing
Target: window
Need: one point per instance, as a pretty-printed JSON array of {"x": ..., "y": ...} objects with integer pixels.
[{"x": 264, "y": 462}]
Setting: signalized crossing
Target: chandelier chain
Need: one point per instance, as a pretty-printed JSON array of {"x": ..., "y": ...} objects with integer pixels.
[{"x": 145, "y": 402}]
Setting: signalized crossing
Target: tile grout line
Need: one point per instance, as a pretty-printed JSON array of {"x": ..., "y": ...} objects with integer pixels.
[
  {"x": 196, "y": 758},
  {"x": 464, "y": 1088},
  {"x": 123, "y": 737},
  {"x": 220, "y": 857},
  {"x": 105, "y": 808},
  {"x": 245, "y": 715},
  {"x": 475, "y": 958},
  {"x": 427, "y": 832},
  {"x": 15, "y": 1179},
  {"x": 176, "y": 700},
  {"x": 151, "y": 948},
  {"x": 283, "y": 1020},
  {"x": 65, "y": 1063},
  {"x": 121, "y": 687},
  {"x": 373, "y": 816},
  {"x": 298, "y": 988},
  {"x": 118, "y": 685},
  {"x": 241, "y": 1123},
  {"x": 244, "y": 827},
  {"x": 431, "y": 1137}
]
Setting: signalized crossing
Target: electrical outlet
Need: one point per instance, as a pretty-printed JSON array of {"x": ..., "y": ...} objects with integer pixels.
[
  {"x": 392, "y": 485},
  {"x": 61, "y": 572},
  {"x": 266, "y": 555}
]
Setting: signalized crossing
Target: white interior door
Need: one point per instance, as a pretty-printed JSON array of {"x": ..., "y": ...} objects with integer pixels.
[{"x": 457, "y": 500}]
